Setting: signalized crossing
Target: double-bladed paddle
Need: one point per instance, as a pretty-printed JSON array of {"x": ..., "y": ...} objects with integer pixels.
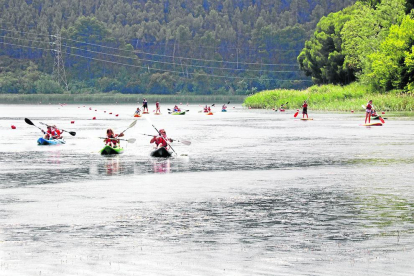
[
  {"x": 131, "y": 125},
  {"x": 185, "y": 142},
  {"x": 131, "y": 140},
  {"x": 29, "y": 122},
  {"x": 70, "y": 132}
]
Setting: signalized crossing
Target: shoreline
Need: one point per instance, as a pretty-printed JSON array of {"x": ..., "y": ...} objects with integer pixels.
[
  {"x": 332, "y": 98},
  {"x": 115, "y": 98}
]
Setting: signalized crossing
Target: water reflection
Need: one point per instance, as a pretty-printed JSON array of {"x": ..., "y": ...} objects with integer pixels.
[{"x": 161, "y": 165}]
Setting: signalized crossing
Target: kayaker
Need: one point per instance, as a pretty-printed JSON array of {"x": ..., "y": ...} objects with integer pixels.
[
  {"x": 282, "y": 107},
  {"x": 138, "y": 111},
  {"x": 177, "y": 109},
  {"x": 209, "y": 109},
  {"x": 368, "y": 111},
  {"x": 50, "y": 133},
  {"x": 162, "y": 140},
  {"x": 111, "y": 138},
  {"x": 58, "y": 132},
  {"x": 205, "y": 109},
  {"x": 305, "y": 109},
  {"x": 224, "y": 107},
  {"x": 157, "y": 107},
  {"x": 144, "y": 105}
]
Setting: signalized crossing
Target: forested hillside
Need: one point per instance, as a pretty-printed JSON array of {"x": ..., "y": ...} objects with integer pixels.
[
  {"x": 371, "y": 41},
  {"x": 159, "y": 46}
]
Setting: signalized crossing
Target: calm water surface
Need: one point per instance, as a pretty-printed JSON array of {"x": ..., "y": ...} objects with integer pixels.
[{"x": 257, "y": 193}]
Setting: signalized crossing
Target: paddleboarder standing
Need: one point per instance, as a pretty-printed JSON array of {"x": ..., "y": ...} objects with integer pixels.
[
  {"x": 157, "y": 107},
  {"x": 305, "y": 109},
  {"x": 368, "y": 111},
  {"x": 144, "y": 105}
]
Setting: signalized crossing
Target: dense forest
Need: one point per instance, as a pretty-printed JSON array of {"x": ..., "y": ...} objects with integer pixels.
[
  {"x": 163, "y": 46},
  {"x": 371, "y": 41}
]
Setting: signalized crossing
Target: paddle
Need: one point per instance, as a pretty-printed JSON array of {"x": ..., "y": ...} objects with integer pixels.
[
  {"x": 177, "y": 111},
  {"x": 185, "y": 142},
  {"x": 32, "y": 124},
  {"x": 166, "y": 140},
  {"x": 131, "y": 140},
  {"x": 70, "y": 132},
  {"x": 131, "y": 125}
]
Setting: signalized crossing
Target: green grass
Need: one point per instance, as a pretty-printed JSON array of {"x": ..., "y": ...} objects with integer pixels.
[
  {"x": 113, "y": 98},
  {"x": 332, "y": 98}
]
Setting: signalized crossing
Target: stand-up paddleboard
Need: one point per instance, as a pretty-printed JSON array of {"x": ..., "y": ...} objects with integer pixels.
[
  {"x": 210, "y": 113},
  {"x": 372, "y": 124},
  {"x": 145, "y": 112},
  {"x": 157, "y": 113},
  {"x": 307, "y": 119}
]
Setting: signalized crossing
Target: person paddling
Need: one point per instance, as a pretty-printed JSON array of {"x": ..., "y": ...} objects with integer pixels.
[
  {"x": 157, "y": 107},
  {"x": 368, "y": 111},
  {"x": 162, "y": 140},
  {"x": 205, "y": 109},
  {"x": 138, "y": 111},
  {"x": 111, "y": 138},
  {"x": 52, "y": 133},
  {"x": 305, "y": 109},
  {"x": 177, "y": 109},
  {"x": 224, "y": 107},
  {"x": 144, "y": 105}
]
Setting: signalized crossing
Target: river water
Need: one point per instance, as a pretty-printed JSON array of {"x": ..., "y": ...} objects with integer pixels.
[{"x": 256, "y": 193}]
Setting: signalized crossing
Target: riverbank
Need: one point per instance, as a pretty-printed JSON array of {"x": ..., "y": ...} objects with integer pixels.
[
  {"x": 115, "y": 98},
  {"x": 332, "y": 98}
]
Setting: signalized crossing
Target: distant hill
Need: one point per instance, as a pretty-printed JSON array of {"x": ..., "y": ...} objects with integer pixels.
[{"x": 159, "y": 46}]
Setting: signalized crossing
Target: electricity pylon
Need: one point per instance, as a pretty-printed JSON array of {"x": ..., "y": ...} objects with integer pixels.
[{"x": 58, "y": 65}]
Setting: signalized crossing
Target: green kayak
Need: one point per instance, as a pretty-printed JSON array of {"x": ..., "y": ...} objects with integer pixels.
[
  {"x": 110, "y": 150},
  {"x": 178, "y": 113}
]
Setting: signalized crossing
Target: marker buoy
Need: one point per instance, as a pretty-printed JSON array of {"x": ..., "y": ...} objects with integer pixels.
[
  {"x": 96, "y": 110},
  {"x": 13, "y": 127},
  {"x": 352, "y": 111},
  {"x": 116, "y": 115},
  {"x": 94, "y": 118},
  {"x": 104, "y": 111},
  {"x": 383, "y": 112},
  {"x": 110, "y": 113},
  {"x": 72, "y": 122}
]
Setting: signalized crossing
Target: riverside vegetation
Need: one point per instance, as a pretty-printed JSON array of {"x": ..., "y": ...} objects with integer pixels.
[{"x": 332, "y": 98}]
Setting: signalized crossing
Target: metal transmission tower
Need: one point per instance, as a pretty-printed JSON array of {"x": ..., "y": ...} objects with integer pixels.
[{"x": 58, "y": 65}]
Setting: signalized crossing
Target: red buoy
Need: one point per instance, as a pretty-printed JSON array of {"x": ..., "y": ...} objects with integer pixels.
[
  {"x": 352, "y": 111},
  {"x": 383, "y": 112},
  {"x": 72, "y": 122},
  {"x": 13, "y": 127},
  {"x": 110, "y": 113},
  {"x": 116, "y": 115},
  {"x": 94, "y": 118}
]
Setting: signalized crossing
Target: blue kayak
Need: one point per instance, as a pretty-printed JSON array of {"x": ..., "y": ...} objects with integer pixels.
[
  {"x": 223, "y": 110},
  {"x": 42, "y": 141}
]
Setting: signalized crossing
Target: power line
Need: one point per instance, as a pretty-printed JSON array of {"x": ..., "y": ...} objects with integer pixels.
[
  {"x": 178, "y": 57},
  {"x": 161, "y": 55},
  {"x": 162, "y": 70},
  {"x": 164, "y": 62}
]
